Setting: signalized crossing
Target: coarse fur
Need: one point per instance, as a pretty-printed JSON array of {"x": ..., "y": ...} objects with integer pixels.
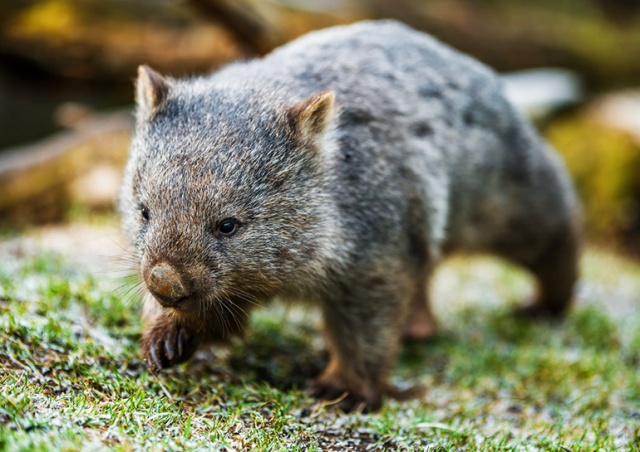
[{"x": 346, "y": 165}]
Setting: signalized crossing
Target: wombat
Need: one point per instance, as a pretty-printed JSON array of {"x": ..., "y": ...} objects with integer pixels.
[{"x": 339, "y": 169}]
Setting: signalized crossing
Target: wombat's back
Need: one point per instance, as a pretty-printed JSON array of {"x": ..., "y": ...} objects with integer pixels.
[{"x": 417, "y": 117}]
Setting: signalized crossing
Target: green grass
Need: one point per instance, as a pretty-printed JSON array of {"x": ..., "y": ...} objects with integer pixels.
[{"x": 71, "y": 377}]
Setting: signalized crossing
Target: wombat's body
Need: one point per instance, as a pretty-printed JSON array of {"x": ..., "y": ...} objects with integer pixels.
[{"x": 339, "y": 169}]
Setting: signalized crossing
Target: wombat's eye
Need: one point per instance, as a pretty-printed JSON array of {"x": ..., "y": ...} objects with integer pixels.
[
  {"x": 144, "y": 212},
  {"x": 228, "y": 227}
]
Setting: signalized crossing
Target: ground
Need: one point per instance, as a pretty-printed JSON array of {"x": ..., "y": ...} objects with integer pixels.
[{"x": 72, "y": 377}]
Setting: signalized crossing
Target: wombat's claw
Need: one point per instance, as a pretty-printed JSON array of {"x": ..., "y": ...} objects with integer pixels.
[
  {"x": 165, "y": 347},
  {"x": 339, "y": 396}
]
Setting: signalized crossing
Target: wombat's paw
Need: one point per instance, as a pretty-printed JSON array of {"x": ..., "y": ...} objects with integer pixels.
[
  {"x": 332, "y": 389},
  {"x": 168, "y": 344}
]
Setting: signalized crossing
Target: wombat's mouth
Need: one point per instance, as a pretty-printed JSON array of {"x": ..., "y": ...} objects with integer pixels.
[
  {"x": 186, "y": 306},
  {"x": 171, "y": 303}
]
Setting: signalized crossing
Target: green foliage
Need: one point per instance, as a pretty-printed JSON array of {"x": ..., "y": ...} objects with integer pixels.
[{"x": 72, "y": 378}]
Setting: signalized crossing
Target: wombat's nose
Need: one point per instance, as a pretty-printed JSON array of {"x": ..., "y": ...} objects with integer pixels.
[{"x": 164, "y": 283}]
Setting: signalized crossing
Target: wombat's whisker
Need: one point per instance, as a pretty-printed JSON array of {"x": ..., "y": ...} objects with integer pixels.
[
  {"x": 244, "y": 295},
  {"x": 225, "y": 318},
  {"x": 136, "y": 292},
  {"x": 235, "y": 310},
  {"x": 233, "y": 315}
]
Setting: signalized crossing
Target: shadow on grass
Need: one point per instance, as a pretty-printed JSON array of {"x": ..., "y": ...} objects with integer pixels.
[
  {"x": 285, "y": 356},
  {"x": 279, "y": 354},
  {"x": 485, "y": 344}
]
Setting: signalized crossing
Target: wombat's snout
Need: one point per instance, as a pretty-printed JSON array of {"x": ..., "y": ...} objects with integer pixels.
[{"x": 164, "y": 282}]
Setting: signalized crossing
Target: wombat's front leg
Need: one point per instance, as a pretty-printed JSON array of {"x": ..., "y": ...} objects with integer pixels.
[
  {"x": 168, "y": 342},
  {"x": 167, "y": 339},
  {"x": 363, "y": 330},
  {"x": 172, "y": 337}
]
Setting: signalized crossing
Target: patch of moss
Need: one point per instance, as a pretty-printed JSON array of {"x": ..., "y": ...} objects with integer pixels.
[
  {"x": 54, "y": 18},
  {"x": 605, "y": 164}
]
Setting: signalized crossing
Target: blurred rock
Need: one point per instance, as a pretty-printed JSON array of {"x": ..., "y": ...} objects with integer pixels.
[
  {"x": 98, "y": 188},
  {"x": 540, "y": 92},
  {"x": 620, "y": 110}
]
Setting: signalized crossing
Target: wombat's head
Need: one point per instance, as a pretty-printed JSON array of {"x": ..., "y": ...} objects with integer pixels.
[{"x": 224, "y": 194}]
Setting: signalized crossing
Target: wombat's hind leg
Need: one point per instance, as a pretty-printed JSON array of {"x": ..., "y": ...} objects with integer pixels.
[{"x": 556, "y": 272}]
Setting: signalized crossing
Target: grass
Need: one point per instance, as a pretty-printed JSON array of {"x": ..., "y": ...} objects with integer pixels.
[{"x": 72, "y": 379}]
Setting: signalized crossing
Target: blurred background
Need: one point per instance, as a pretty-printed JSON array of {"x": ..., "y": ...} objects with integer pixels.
[{"x": 67, "y": 70}]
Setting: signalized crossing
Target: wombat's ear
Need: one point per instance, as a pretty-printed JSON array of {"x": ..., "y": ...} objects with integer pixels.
[
  {"x": 152, "y": 90},
  {"x": 310, "y": 117}
]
